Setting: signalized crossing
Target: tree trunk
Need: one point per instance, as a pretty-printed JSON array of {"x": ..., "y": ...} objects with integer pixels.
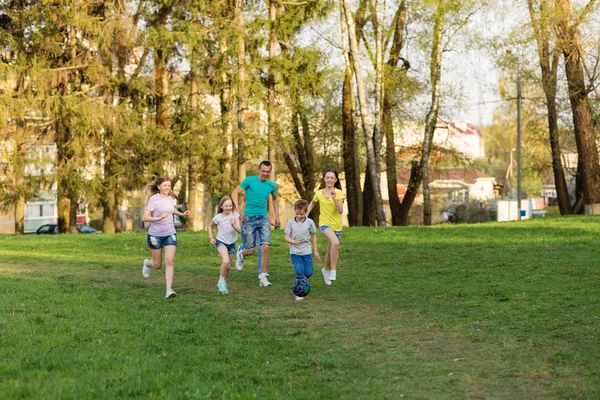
[
  {"x": 241, "y": 88},
  {"x": 387, "y": 123},
  {"x": 194, "y": 221},
  {"x": 64, "y": 156},
  {"x": 350, "y": 137},
  {"x": 412, "y": 190},
  {"x": 431, "y": 119},
  {"x": 271, "y": 87},
  {"x": 19, "y": 171},
  {"x": 585, "y": 135},
  {"x": 362, "y": 98},
  {"x": 368, "y": 199},
  {"x": 549, "y": 67}
]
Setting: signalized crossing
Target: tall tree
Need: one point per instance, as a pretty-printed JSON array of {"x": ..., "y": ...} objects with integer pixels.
[
  {"x": 435, "y": 71},
  {"x": 350, "y": 134},
  {"x": 373, "y": 167},
  {"x": 566, "y": 26},
  {"x": 540, "y": 15}
]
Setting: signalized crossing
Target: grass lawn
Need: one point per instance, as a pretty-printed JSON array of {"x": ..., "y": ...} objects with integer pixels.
[{"x": 500, "y": 311}]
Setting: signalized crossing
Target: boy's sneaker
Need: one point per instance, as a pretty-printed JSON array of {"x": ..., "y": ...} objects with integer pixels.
[
  {"x": 239, "y": 258},
  {"x": 326, "y": 276},
  {"x": 298, "y": 298},
  {"x": 264, "y": 282},
  {"x": 222, "y": 287},
  {"x": 332, "y": 274},
  {"x": 170, "y": 294},
  {"x": 145, "y": 269}
]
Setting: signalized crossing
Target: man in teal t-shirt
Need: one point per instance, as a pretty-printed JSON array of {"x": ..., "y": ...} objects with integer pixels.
[{"x": 256, "y": 225}]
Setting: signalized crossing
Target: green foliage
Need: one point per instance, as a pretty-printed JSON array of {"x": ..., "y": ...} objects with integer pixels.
[{"x": 497, "y": 310}]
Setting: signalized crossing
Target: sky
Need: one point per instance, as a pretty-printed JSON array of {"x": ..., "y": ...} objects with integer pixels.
[{"x": 472, "y": 74}]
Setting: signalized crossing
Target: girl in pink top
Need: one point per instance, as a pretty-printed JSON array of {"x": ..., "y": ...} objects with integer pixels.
[{"x": 161, "y": 234}]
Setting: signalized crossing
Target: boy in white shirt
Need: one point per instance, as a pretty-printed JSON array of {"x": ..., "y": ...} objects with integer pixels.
[{"x": 299, "y": 233}]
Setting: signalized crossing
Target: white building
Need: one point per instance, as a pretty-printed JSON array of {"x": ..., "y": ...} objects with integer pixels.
[{"x": 460, "y": 136}]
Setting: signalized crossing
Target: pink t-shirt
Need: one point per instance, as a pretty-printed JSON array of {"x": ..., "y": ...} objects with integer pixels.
[{"x": 157, "y": 205}]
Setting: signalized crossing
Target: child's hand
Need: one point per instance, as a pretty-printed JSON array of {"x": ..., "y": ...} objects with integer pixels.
[
  {"x": 186, "y": 213},
  {"x": 164, "y": 215},
  {"x": 213, "y": 241},
  {"x": 295, "y": 241},
  {"x": 317, "y": 256},
  {"x": 333, "y": 195}
]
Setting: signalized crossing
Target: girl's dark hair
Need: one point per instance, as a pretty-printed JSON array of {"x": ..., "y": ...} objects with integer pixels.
[
  {"x": 222, "y": 201},
  {"x": 152, "y": 187},
  {"x": 337, "y": 183}
]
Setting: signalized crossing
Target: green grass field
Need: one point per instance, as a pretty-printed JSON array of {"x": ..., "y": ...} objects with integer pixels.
[{"x": 490, "y": 311}]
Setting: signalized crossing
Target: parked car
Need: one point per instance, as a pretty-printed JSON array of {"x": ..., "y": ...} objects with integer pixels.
[
  {"x": 51, "y": 229},
  {"x": 48, "y": 229}
]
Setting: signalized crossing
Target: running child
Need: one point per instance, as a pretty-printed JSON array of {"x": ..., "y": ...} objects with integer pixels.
[
  {"x": 299, "y": 233},
  {"x": 227, "y": 221},
  {"x": 331, "y": 198},
  {"x": 162, "y": 236}
]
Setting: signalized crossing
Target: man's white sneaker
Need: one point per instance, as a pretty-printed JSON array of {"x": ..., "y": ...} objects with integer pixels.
[
  {"x": 332, "y": 274},
  {"x": 145, "y": 269},
  {"x": 326, "y": 276},
  {"x": 264, "y": 282},
  {"x": 170, "y": 294},
  {"x": 239, "y": 258},
  {"x": 298, "y": 298}
]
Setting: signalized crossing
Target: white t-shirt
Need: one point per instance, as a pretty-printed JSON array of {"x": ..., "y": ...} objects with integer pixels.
[
  {"x": 227, "y": 234},
  {"x": 301, "y": 231}
]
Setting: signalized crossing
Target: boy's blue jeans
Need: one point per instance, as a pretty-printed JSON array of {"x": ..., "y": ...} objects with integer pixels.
[{"x": 303, "y": 265}]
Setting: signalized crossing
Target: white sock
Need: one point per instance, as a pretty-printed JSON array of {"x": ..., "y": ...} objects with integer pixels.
[{"x": 222, "y": 279}]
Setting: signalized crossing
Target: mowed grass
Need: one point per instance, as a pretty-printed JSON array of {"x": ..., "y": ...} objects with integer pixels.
[{"x": 500, "y": 311}]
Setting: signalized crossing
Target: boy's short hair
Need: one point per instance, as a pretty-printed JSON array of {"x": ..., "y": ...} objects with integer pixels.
[{"x": 301, "y": 205}]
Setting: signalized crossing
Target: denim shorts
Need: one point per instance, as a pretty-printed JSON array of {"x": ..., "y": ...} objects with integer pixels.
[
  {"x": 230, "y": 247},
  {"x": 323, "y": 228},
  {"x": 158, "y": 242},
  {"x": 256, "y": 230}
]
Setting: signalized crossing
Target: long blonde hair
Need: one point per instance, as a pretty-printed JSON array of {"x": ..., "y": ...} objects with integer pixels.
[
  {"x": 222, "y": 201},
  {"x": 152, "y": 187}
]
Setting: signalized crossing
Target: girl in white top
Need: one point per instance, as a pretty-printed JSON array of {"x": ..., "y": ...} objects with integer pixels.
[{"x": 227, "y": 221}]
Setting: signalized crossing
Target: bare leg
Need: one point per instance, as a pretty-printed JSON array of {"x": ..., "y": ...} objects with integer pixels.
[
  {"x": 225, "y": 261},
  {"x": 266, "y": 251},
  {"x": 156, "y": 261},
  {"x": 333, "y": 250},
  {"x": 170, "y": 265}
]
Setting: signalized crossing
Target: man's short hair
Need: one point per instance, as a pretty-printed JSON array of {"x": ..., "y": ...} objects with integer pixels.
[{"x": 266, "y": 163}]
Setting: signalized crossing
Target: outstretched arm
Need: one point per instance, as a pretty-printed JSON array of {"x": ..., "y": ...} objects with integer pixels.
[
  {"x": 315, "y": 248},
  {"x": 234, "y": 198},
  {"x": 276, "y": 209},
  {"x": 311, "y": 205},
  {"x": 211, "y": 224}
]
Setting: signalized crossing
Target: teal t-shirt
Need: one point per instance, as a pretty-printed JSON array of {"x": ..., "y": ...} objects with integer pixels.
[{"x": 257, "y": 193}]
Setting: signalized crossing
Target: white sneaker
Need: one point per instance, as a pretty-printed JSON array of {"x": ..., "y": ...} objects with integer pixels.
[
  {"x": 170, "y": 294},
  {"x": 239, "y": 259},
  {"x": 298, "y": 298},
  {"x": 326, "y": 276},
  {"x": 264, "y": 282},
  {"x": 145, "y": 269},
  {"x": 332, "y": 274}
]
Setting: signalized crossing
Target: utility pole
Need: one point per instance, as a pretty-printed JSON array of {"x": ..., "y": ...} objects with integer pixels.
[{"x": 519, "y": 151}]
